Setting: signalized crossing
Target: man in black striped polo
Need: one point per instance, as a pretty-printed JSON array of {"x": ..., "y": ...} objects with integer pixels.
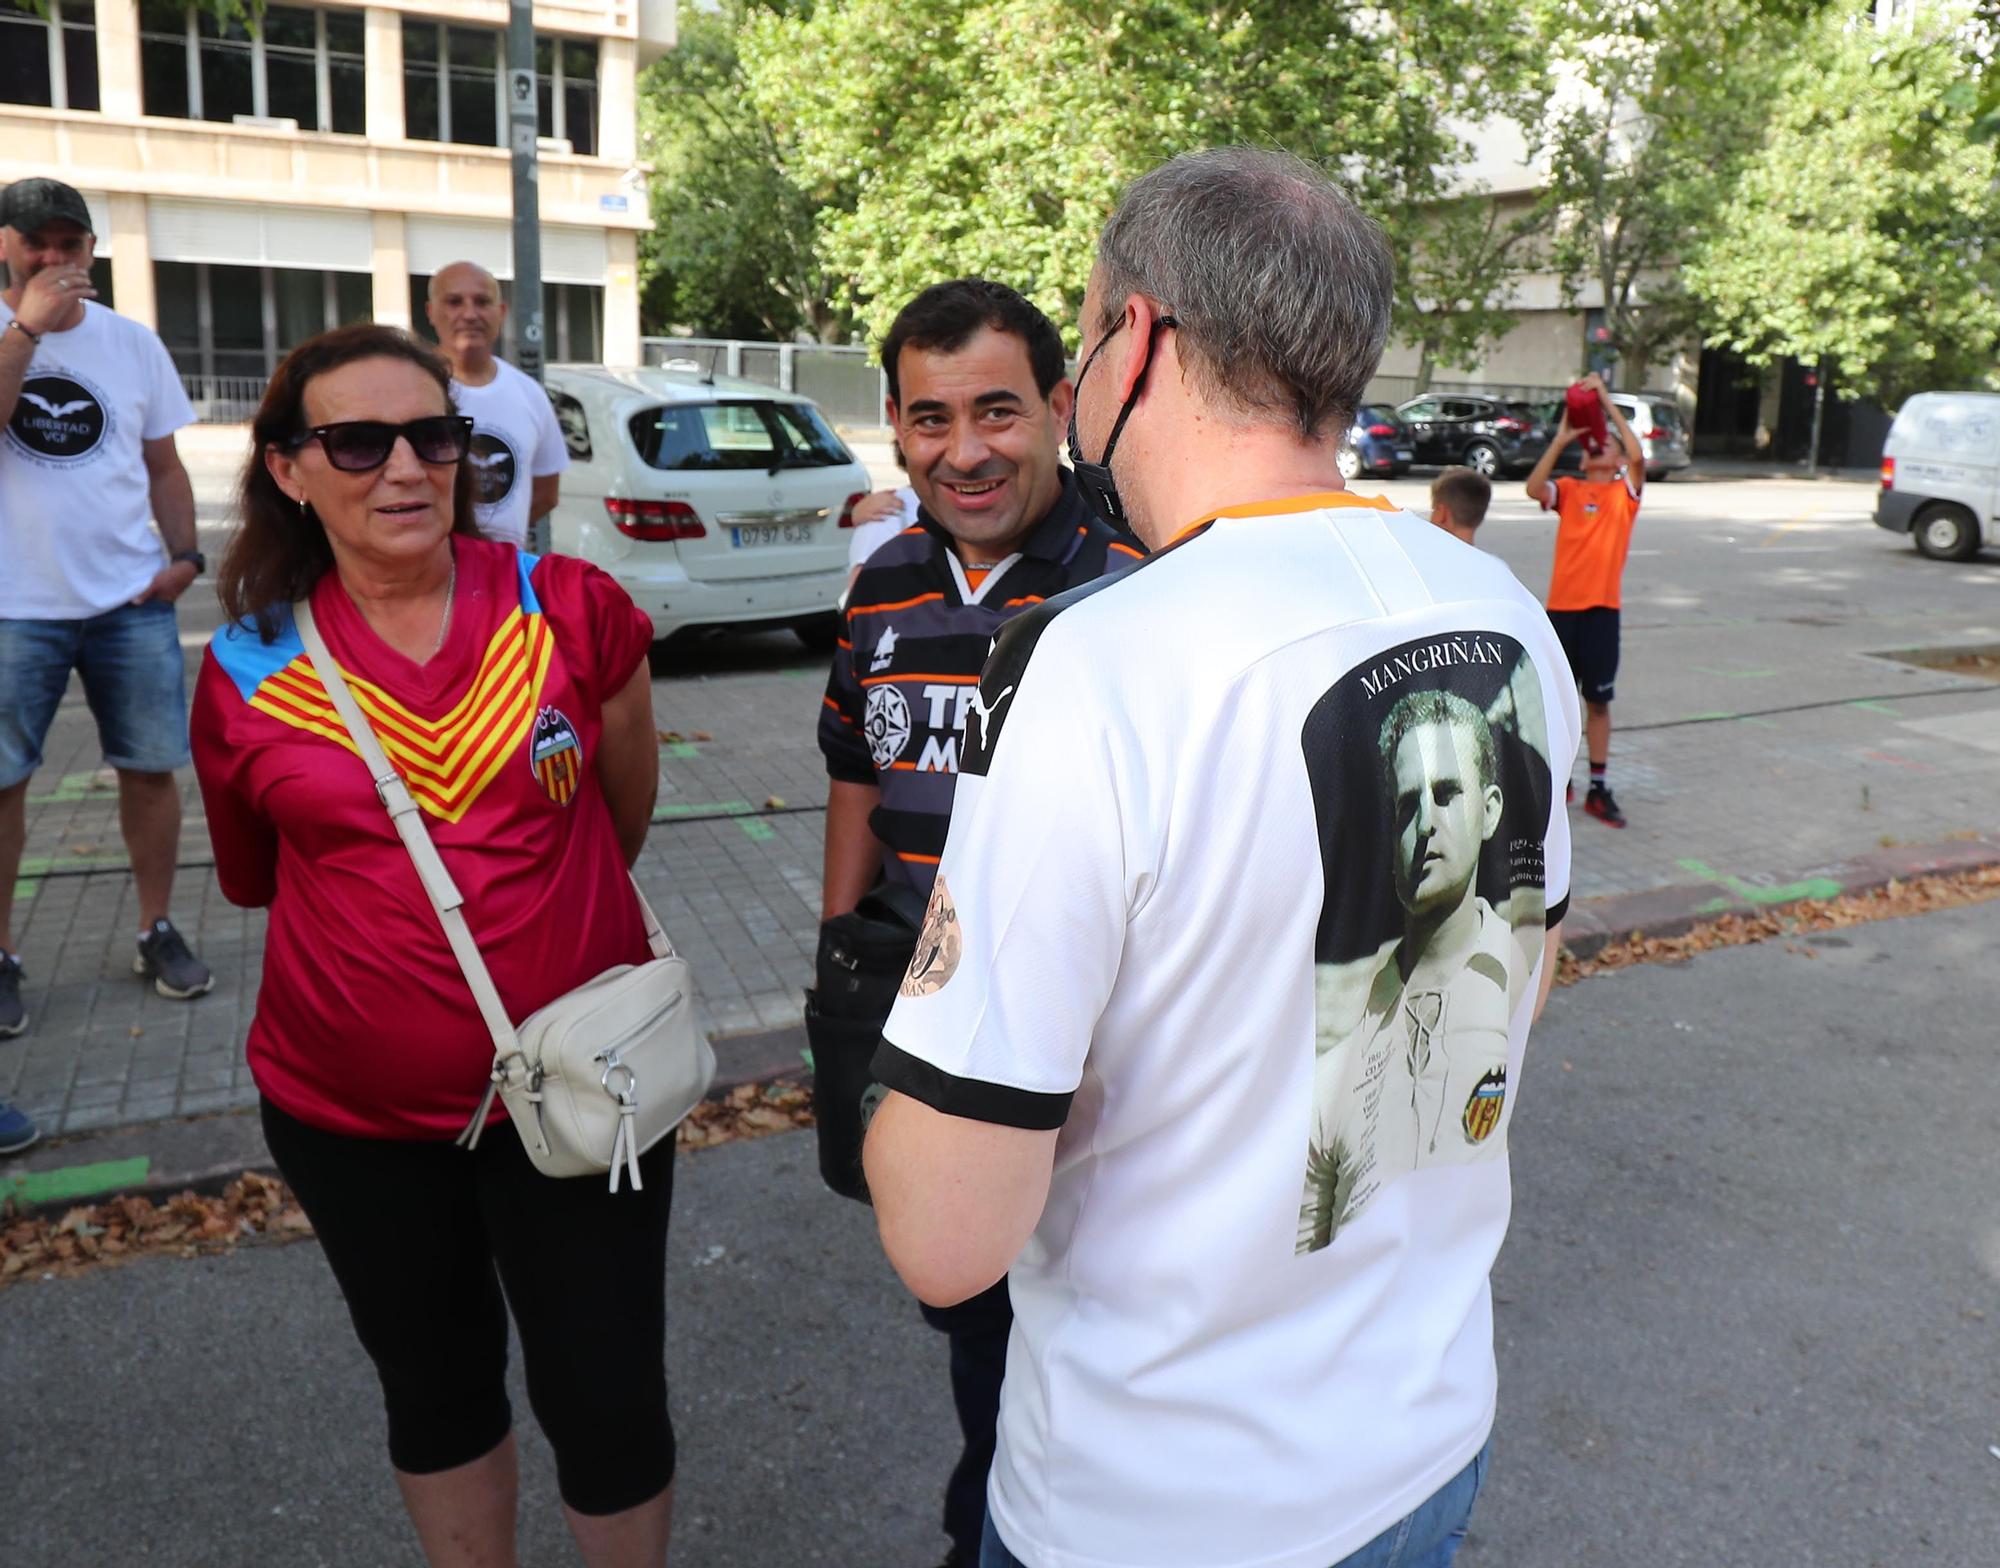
[{"x": 979, "y": 400}]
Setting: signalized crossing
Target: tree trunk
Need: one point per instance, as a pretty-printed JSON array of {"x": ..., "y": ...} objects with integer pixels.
[
  {"x": 1819, "y": 414},
  {"x": 1424, "y": 369}
]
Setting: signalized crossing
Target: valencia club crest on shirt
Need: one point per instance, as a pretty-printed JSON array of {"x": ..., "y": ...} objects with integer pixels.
[{"x": 556, "y": 755}]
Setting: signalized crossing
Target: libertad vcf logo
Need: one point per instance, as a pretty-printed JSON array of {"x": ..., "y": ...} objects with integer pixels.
[
  {"x": 493, "y": 467},
  {"x": 556, "y": 756},
  {"x": 59, "y": 418}
]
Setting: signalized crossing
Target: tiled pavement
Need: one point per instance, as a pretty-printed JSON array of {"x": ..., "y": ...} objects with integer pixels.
[{"x": 1871, "y": 753}]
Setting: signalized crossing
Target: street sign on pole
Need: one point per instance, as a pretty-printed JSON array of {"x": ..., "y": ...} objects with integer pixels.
[{"x": 523, "y": 126}]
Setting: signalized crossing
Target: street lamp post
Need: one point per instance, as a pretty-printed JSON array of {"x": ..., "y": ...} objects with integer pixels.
[{"x": 523, "y": 126}]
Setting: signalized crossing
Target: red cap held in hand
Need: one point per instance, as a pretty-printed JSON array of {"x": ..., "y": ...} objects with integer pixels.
[{"x": 1586, "y": 417}]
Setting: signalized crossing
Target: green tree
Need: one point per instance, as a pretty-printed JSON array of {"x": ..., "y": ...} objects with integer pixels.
[
  {"x": 732, "y": 252},
  {"x": 1653, "y": 112},
  {"x": 993, "y": 136},
  {"x": 1457, "y": 259},
  {"x": 1863, "y": 236}
]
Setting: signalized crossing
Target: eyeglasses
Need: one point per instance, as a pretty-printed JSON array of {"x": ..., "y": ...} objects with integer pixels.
[{"x": 356, "y": 445}]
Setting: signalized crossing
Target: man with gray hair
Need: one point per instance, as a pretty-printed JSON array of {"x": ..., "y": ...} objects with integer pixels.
[
  {"x": 1172, "y": 835},
  {"x": 518, "y": 454}
]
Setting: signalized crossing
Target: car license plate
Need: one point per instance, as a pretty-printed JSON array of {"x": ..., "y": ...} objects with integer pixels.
[
  {"x": 753, "y": 537},
  {"x": 1404, "y": 454}
]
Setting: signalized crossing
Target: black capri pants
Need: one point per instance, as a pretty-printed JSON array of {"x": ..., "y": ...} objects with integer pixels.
[{"x": 424, "y": 1238}]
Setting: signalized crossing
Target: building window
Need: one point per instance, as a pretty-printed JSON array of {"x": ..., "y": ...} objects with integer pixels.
[
  {"x": 575, "y": 324},
  {"x": 453, "y": 86},
  {"x": 227, "y": 327},
  {"x": 49, "y": 61},
  {"x": 292, "y": 63}
]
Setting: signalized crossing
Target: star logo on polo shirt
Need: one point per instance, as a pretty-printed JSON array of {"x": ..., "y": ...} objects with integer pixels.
[
  {"x": 887, "y": 725},
  {"x": 885, "y": 650}
]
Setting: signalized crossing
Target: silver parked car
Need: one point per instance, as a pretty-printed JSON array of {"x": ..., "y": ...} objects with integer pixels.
[{"x": 714, "y": 502}]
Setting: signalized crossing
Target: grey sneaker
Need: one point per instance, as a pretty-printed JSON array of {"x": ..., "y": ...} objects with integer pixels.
[
  {"x": 13, "y": 1016},
  {"x": 165, "y": 958}
]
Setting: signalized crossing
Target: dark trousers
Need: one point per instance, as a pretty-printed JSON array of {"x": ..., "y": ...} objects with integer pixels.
[
  {"x": 432, "y": 1244},
  {"x": 978, "y": 1329}
]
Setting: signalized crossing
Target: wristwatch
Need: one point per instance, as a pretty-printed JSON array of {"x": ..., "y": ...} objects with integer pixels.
[{"x": 200, "y": 561}]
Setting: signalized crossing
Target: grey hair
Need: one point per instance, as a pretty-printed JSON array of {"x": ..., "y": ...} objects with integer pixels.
[{"x": 1281, "y": 284}]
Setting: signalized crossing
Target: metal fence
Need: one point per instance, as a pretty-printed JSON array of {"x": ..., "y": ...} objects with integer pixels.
[
  {"x": 224, "y": 400},
  {"x": 848, "y": 385},
  {"x": 843, "y": 379}
]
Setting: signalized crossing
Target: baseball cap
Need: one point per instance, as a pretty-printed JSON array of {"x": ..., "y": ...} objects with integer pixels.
[{"x": 28, "y": 204}]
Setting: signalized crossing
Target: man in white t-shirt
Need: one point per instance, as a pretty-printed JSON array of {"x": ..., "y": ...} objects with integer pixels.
[
  {"x": 1256, "y": 868},
  {"x": 517, "y": 455},
  {"x": 89, "y": 403}
]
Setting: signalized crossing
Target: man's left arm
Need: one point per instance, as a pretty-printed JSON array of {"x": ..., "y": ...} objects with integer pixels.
[
  {"x": 550, "y": 459},
  {"x": 542, "y": 497},
  {"x": 1020, "y": 949},
  {"x": 1635, "y": 453},
  {"x": 172, "y": 495}
]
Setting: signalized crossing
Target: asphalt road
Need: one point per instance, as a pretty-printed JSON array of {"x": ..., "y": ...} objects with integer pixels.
[{"x": 1749, "y": 1314}]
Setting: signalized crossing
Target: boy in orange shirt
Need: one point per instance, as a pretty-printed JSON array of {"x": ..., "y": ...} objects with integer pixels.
[{"x": 1595, "y": 516}]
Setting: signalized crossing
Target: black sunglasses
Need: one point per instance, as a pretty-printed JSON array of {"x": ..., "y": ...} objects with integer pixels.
[{"x": 356, "y": 445}]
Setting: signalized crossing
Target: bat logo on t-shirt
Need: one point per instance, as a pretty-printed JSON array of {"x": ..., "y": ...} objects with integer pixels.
[
  {"x": 56, "y": 410},
  {"x": 58, "y": 419},
  {"x": 493, "y": 468}
]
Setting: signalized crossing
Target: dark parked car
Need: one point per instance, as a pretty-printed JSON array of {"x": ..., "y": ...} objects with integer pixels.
[
  {"x": 1655, "y": 420},
  {"x": 1377, "y": 444},
  {"x": 1488, "y": 435}
]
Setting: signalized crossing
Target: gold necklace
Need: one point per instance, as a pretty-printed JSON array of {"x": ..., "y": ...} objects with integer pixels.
[{"x": 444, "y": 625}]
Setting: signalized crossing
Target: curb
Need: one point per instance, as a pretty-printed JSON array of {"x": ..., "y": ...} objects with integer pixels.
[
  {"x": 1594, "y": 923},
  {"x": 158, "y": 1160}
]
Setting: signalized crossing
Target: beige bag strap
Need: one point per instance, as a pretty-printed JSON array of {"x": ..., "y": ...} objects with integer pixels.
[
  {"x": 408, "y": 819},
  {"x": 443, "y": 892}
]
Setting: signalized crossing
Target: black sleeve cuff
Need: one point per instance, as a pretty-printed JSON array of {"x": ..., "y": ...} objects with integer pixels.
[
  {"x": 978, "y": 1101},
  {"x": 1557, "y": 913},
  {"x": 842, "y": 771}
]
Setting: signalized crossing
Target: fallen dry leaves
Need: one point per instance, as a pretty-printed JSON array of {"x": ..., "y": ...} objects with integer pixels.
[
  {"x": 750, "y": 1110},
  {"x": 1916, "y": 896},
  {"x": 261, "y": 1208},
  {"x": 249, "y": 1208}
]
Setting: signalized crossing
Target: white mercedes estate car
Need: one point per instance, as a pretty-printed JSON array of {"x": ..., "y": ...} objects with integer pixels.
[{"x": 714, "y": 502}]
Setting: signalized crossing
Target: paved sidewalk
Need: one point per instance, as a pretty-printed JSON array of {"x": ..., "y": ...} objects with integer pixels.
[{"x": 1765, "y": 747}]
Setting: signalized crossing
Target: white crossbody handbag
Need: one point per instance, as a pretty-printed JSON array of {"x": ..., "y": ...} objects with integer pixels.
[{"x": 598, "y": 1076}]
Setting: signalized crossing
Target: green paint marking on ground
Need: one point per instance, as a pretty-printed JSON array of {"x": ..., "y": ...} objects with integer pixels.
[
  {"x": 1873, "y": 706},
  {"x": 26, "y": 889},
  {"x": 1757, "y": 893},
  {"x": 1715, "y": 906},
  {"x": 713, "y": 808},
  {"x": 755, "y": 831},
  {"x": 73, "y": 786},
  {"x": 1762, "y": 724},
  {"x": 1698, "y": 718},
  {"x": 76, "y": 1181}
]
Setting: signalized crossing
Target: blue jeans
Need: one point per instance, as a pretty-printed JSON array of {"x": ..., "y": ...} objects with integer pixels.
[
  {"x": 1428, "y": 1538},
  {"x": 133, "y": 679},
  {"x": 979, "y": 1330}
]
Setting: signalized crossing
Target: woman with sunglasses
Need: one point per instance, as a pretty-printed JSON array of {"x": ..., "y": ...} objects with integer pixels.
[{"x": 513, "y": 696}]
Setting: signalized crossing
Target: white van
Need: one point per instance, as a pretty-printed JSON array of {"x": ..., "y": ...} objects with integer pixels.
[{"x": 1940, "y": 470}]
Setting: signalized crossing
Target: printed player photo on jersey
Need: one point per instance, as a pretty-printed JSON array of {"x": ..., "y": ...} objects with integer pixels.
[{"x": 1431, "y": 794}]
